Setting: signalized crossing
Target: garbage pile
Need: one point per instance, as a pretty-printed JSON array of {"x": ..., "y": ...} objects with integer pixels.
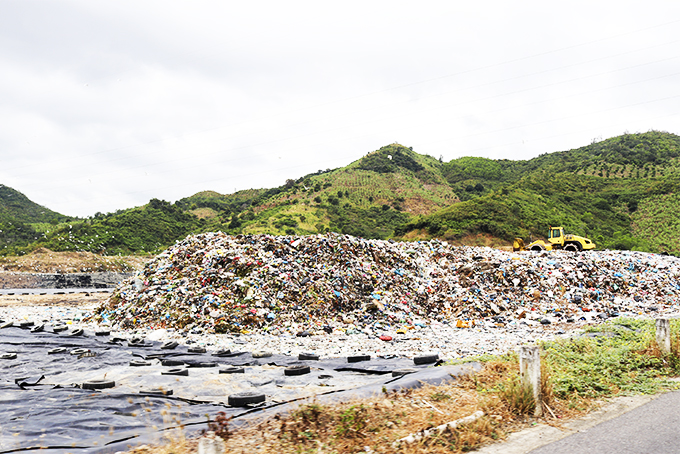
[{"x": 215, "y": 282}]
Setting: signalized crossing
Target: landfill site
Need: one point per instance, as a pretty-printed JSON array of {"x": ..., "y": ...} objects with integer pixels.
[{"x": 251, "y": 324}]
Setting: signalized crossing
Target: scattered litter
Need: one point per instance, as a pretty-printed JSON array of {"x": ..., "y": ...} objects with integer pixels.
[{"x": 317, "y": 284}]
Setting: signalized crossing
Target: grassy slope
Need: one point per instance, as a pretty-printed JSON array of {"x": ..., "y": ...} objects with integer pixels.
[
  {"x": 21, "y": 219},
  {"x": 619, "y": 192},
  {"x": 369, "y": 197},
  {"x": 16, "y": 205},
  {"x": 594, "y": 191}
]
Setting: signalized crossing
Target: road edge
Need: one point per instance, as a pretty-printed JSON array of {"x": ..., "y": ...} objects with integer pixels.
[{"x": 529, "y": 439}]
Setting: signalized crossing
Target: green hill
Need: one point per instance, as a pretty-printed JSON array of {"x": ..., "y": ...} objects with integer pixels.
[
  {"x": 370, "y": 198},
  {"x": 16, "y": 205},
  {"x": 21, "y": 220},
  {"x": 620, "y": 192},
  {"x": 146, "y": 229}
]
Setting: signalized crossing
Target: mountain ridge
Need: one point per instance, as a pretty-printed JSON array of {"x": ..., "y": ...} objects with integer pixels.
[{"x": 615, "y": 191}]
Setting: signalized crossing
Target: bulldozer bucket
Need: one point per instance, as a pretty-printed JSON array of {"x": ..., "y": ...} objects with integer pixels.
[{"x": 518, "y": 245}]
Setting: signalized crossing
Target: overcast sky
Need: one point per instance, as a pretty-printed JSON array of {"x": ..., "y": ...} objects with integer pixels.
[{"x": 107, "y": 104}]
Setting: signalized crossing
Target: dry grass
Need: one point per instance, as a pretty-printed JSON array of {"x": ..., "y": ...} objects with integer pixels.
[
  {"x": 576, "y": 375},
  {"x": 43, "y": 260},
  {"x": 373, "y": 425},
  {"x": 175, "y": 446},
  {"x": 204, "y": 213}
]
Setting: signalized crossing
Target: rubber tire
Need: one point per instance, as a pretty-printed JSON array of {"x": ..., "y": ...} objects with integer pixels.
[
  {"x": 25, "y": 325},
  {"x": 402, "y": 372},
  {"x": 59, "y": 328},
  {"x": 182, "y": 372},
  {"x": 572, "y": 247},
  {"x": 156, "y": 392},
  {"x": 77, "y": 332},
  {"x": 261, "y": 354},
  {"x": 245, "y": 398},
  {"x": 79, "y": 351},
  {"x": 171, "y": 345},
  {"x": 203, "y": 364},
  {"x": 54, "y": 351},
  {"x": 38, "y": 328},
  {"x": 136, "y": 363},
  {"x": 299, "y": 369},
  {"x": 98, "y": 384},
  {"x": 172, "y": 362},
  {"x": 141, "y": 344},
  {"x": 358, "y": 358},
  {"x": 220, "y": 353},
  {"x": 425, "y": 359},
  {"x": 232, "y": 370},
  {"x": 308, "y": 357},
  {"x": 196, "y": 350},
  {"x": 102, "y": 333},
  {"x": 8, "y": 356}
]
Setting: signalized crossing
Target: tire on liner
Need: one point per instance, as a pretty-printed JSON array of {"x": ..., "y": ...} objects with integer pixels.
[
  {"x": 245, "y": 398},
  {"x": 98, "y": 384}
]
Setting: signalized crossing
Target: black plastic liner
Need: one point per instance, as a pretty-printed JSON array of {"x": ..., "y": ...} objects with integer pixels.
[
  {"x": 97, "y": 280},
  {"x": 44, "y": 405}
]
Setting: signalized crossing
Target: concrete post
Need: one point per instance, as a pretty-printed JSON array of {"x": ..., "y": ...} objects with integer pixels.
[
  {"x": 211, "y": 444},
  {"x": 663, "y": 335},
  {"x": 530, "y": 372}
]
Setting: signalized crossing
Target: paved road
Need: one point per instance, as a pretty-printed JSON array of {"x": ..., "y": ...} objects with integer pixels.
[{"x": 650, "y": 428}]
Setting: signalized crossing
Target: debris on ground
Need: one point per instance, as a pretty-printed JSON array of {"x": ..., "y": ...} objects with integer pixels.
[
  {"x": 43, "y": 260},
  {"x": 304, "y": 285}
]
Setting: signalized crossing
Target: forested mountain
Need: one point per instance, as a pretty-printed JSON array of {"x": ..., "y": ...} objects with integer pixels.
[
  {"x": 620, "y": 192},
  {"x": 17, "y": 213}
]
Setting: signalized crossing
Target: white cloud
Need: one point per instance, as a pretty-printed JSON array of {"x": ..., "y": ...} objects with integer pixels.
[{"x": 108, "y": 104}]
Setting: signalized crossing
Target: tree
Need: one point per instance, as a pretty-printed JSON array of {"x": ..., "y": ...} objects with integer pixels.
[{"x": 235, "y": 222}]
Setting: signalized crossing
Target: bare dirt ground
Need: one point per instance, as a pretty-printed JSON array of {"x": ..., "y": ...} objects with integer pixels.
[
  {"x": 72, "y": 299},
  {"x": 46, "y": 261}
]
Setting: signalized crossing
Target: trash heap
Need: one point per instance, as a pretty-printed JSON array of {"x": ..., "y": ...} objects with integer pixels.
[{"x": 215, "y": 282}]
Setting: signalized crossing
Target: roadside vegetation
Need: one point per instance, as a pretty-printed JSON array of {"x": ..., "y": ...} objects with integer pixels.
[{"x": 617, "y": 358}]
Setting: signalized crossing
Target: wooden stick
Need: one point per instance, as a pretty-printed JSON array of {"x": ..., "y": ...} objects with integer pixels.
[
  {"x": 551, "y": 412},
  {"x": 439, "y": 429}
]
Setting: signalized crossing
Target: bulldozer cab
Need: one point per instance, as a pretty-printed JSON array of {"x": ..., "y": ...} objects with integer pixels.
[{"x": 556, "y": 235}]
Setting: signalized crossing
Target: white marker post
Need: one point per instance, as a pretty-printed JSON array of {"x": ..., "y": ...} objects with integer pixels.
[
  {"x": 211, "y": 444},
  {"x": 663, "y": 335},
  {"x": 530, "y": 372}
]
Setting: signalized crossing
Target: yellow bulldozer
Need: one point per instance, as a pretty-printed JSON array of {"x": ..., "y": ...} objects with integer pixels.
[{"x": 556, "y": 240}]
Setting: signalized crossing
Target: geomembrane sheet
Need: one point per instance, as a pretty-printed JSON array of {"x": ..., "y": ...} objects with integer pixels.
[{"x": 45, "y": 407}]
